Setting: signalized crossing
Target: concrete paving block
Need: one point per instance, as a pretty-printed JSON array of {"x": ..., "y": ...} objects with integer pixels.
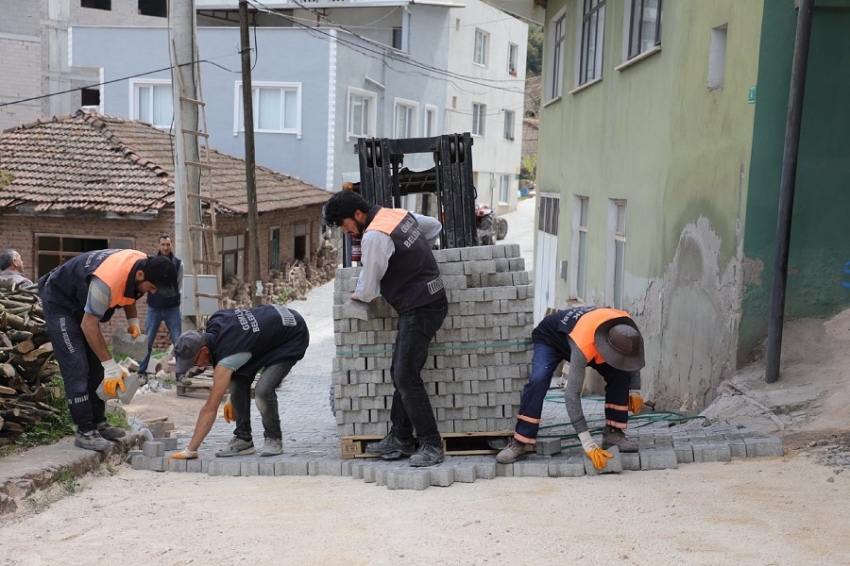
[
  {"x": 408, "y": 478},
  {"x": 225, "y": 467},
  {"x": 177, "y": 465},
  {"x": 658, "y": 459},
  {"x": 168, "y": 443},
  {"x": 738, "y": 448},
  {"x": 757, "y": 447},
  {"x": 442, "y": 476},
  {"x": 156, "y": 464},
  {"x": 138, "y": 461},
  {"x": 369, "y": 471},
  {"x": 485, "y": 470},
  {"x": 153, "y": 449},
  {"x": 684, "y": 452},
  {"x": 712, "y": 452},
  {"x": 531, "y": 469},
  {"x": 324, "y": 468},
  {"x": 195, "y": 466},
  {"x": 381, "y": 472},
  {"x": 357, "y": 470},
  {"x": 465, "y": 473},
  {"x": 547, "y": 446},
  {"x": 570, "y": 468},
  {"x": 345, "y": 468},
  {"x": 613, "y": 466},
  {"x": 504, "y": 470},
  {"x": 250, "y": 468},
  {"x": 266, "y": 468},
  {"x": 631, "y": 461},
  {"x": 290, "y": 468}
]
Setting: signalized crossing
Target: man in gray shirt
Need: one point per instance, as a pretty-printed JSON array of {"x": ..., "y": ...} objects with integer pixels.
[{"x": 12, "y": 267}]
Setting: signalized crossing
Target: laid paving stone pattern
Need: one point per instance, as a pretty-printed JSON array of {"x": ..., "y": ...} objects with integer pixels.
[{"x": 661, "y": 448}]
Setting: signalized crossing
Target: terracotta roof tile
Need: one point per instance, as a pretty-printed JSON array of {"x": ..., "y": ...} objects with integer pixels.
[{"x": 93, "y": 163}]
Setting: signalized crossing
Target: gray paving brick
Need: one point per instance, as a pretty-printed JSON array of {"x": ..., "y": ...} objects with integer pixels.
[
  {"x": 408, "y": 478},
  {"x": 225, "y": 467},
  {"x": 738, "y": 448},
  {"x": 485, "y": 470},
  {"x": 168, "y": 443},
  {"x": 154, "y": 464},
  {"x": 368, "y": 471},
  {"x": 613, "y": 466},
  {"x": 531, "y": 469},
  {"x": 290, "y": 468},
  {"x": 442, "y": 476},
  {"x": 570, "y": 468},
  {"x": 713, "y": 451},
  {"x": 465, "y": 473},
  {"x": 547, "y": 446},
  {"x": 250, "y": 468},
  {"x": 357, "y": 470},
  {"x": 324, "y": 468},
  {"x": 177, "y": 465},
  {"x": 153, "y": 449},
  {"x": 195, "y": 466},
  {"x": 684, "y": 452},
  {"x": 763, "y": 447},
  {"x": 504, "y": 470},
  {"x": 658, "y": 459},
  {"x": 265, "y": 468},
  {"x": 631, "y": 461}
]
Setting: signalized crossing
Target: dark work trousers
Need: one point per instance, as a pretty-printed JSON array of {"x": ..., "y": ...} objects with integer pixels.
[
  {"x": 80, "y": 367},
  {"x": 265, "y": 395},
  {"x": 411, "y": 409}
]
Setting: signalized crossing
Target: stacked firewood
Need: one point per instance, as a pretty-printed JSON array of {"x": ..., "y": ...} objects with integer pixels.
[{"x": 26, "y": 368}]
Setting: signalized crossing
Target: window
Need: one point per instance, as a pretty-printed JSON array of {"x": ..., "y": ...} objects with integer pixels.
[
  {"x": 152, "y": 102},
  {"x": 482, "y": 44},
  {"x": 513, "y": 51},
  {"x": 277, "y": 107},
  {"x": 618, "y": 220},
  {"x": 644, "y": 26},
  {"x": 397, "y": 38},
  {"x": 299, "y": 242},
  {"x": 717, "y": 58},
  {"x": 509, "y": 124},
  {"x": 52, "y": 250},
  {"x": 504, "y": 188},
  {"x": 557, "y": 68},
  {"x": 592, "y": 35},
  {"x": 478, "y": 113},
  {"x": 405, "y": 116},
  {"x": 274, "y": 248},
  {"x": 582, "y": 205},
  {"x": 232, "y": 252},
  {"x": 90, "y": 99},
  {"x": 430, "y": 126},
  {"x": 97, "y": 4},
  {"x": 361, "y": 113},
  {"x": 158, "y": 8},
  {"x": 547, "y": 219}
]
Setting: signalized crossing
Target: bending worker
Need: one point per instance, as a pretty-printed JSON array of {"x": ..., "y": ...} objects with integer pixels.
[
  {"x": 605, "y": 339},
  {"x": 238, "y": 343},
  {"x": 398, "y": 264},
  {"x": 77, "y": 296}
]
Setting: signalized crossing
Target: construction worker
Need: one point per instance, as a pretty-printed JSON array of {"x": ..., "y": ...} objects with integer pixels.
[
  {"x": 398, "y": 264},
  {"x": 605, "y": 339},
  {"x": 76, "y": 297},
  {"x": 163, "y": 309},
  {"x": 238, "y": 343},
  {"x": 12, "y": 267}
]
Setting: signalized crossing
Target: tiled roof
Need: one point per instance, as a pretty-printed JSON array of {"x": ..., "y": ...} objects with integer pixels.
[{"x": 89, "y": 162}]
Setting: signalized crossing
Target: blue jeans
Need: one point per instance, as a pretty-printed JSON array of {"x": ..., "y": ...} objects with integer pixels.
[
  {"x": 411, "y": 407},
  {"x": 154, "y": 318},
  {"x": 265, "y": 396}
]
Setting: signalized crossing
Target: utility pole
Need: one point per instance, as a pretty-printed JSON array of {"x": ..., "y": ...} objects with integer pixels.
[{"x": 250, "y": 173}]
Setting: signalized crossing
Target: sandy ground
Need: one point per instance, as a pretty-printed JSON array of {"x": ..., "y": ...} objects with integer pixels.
[{"x": 778, "y": 511}]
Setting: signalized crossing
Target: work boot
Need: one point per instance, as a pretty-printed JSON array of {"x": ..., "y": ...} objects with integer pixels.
[
  {"x": 616, "y": 437},
  {"x": 427, "y": 455},
  {"x": 515, "y": 450},
  {"x": 392, "y": 447},
  {"x": 110, "y": 432},
  {"x": 236, "y": 447},
  {"x": 183, "y": 380},
  {"x": 92, "y": 440},
  {"x": 272, "y": 447}
]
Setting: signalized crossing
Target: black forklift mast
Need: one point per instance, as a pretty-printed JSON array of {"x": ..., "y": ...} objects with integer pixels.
[{"x": 384, "y": 182}]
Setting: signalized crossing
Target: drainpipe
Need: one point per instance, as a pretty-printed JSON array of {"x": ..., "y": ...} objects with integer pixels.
[{"x": 786, "y": 188}]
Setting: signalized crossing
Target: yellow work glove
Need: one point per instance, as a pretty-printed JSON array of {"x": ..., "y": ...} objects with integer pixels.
[
  {"x": 133, "y": 328},
  {"x": 186, "y": 454},
  {"x": 598, "y": 456},
  {"x": 228, "y": 413},
  {"x": 113, "y": 378},
  {"x": 635, "y": 403}
]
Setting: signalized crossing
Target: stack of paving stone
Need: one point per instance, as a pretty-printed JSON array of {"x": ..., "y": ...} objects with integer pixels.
[{"x": 479, "y": 360}]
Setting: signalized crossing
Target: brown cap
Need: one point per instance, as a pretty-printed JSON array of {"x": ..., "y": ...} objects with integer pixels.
[{"x": 620, "y": 344}]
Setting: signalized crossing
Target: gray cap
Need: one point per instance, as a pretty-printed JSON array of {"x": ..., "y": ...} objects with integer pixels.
[{"x": 187, "y": 348}]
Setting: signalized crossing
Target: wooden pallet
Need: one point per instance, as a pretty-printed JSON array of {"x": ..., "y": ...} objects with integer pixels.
[{"x": 454, "y": 443}]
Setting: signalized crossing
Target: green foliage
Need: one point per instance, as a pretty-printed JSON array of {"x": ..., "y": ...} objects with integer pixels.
[
  {"x": 68, "y": 481},
  {"x": 529, "y": 167},
  {"x": 284, "y": 296},
  {"x": 534, "y": 58},
  {"x": 52, "y": 430}
]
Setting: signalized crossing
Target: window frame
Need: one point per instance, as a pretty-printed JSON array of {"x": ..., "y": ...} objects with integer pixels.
[
  {"x": 479, "y": 111},
  {"x": 581, "y": 233},
  {"x": 617, "y": 241},
  {"x": 556, "y": 51},
  {"x": 513, "y": 58},
  {"x": 256, "y": 86},
  {"x": 135, "y": 99},
  {"x": 509, "y": 132},
  {"x": 481, "y": 59},
  {"x": 630, "y": 38},
  {"x": 504, "y": 189},
  {"x": 371, "y": 125},
  {"x": 239, "y": 252},
  {"x": 413, "y": 111},
  {"x": 426, "y": 131},
  {"x": 65, "y": 254},
  {"x": 274, "y": 247},
  {"x": 590, "y": 16}
]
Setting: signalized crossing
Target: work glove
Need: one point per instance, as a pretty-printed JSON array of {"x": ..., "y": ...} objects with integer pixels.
[
  {"x": 598, "y": 456},
  {"x": 133, "y": 328},
  {"x": 635, "y": 402},
  {"x": 113, "y": 378},
  {"x": 185, "y": 454},
  {"x": 228, "y": 413}
]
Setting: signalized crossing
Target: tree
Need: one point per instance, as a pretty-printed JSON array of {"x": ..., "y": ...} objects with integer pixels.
[{"x": 534, "y": 59}]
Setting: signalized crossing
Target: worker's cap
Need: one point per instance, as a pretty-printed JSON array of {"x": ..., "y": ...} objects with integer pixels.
[
  {"x": 160, "y": 271},
  {"x": 620, "y": 344},
  {"x": 187, "y": 348}
]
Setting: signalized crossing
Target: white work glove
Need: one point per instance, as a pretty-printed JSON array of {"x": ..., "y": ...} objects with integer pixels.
[
  {"x": 185, "y": 454},
  {"x": 133, "y": 328},
  {"x": 113, "y": 377},
  {"x": 598, "y": 456}
]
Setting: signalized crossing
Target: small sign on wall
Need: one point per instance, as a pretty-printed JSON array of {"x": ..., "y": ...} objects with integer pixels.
[{"x": 751, "y": 99}]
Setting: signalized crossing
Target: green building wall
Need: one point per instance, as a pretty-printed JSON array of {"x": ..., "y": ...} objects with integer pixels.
[
  {"x": 653, "y": 133},
  {"x": 820, "y": 234}
]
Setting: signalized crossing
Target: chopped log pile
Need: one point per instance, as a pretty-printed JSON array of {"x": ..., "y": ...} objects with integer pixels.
[
  {"x": 283, "y": 287},
  {"x": 26, "y": 354}
]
